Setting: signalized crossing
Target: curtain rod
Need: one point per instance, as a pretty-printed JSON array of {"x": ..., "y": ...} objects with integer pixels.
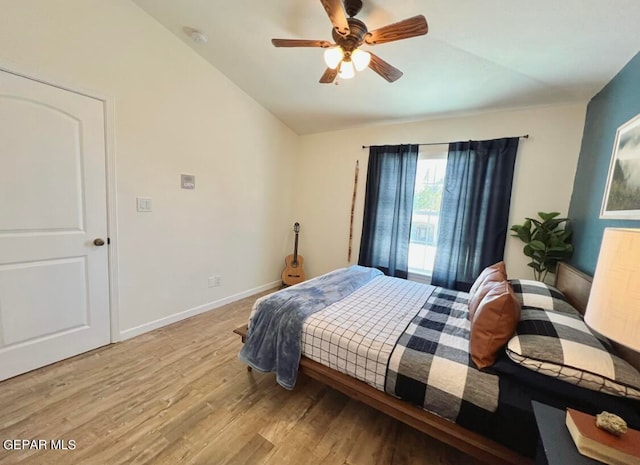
[{"x": 526, "y": 136}]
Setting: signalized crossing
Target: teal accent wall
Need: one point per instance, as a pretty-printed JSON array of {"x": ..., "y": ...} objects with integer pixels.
[{"x": 613, "y": 106}]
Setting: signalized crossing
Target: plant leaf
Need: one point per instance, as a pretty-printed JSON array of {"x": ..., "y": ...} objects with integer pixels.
[
  {"x": 536, "y": 266},
  {"x": 553, "y": 224},
  {"x": 528, "y": 251},
  {"x": 548, "y": 216},
  {"x": 537, "y": 245}
]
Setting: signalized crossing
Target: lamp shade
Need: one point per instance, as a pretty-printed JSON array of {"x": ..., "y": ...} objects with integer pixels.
[
  {"x": 614, "y": 304},
  {"x": 333, "y": 56},
  {"x": 360, "y": 59},
  {"x": 347, "y": 70}
]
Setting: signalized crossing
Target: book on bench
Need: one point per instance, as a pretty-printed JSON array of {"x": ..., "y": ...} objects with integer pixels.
[{"x": 601, "y": 445}]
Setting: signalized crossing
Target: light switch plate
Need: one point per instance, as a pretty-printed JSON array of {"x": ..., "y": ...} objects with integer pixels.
[{"x": 144, "y": 204}]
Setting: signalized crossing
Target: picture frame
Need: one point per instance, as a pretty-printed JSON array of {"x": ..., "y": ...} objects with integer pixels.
[{"x": 622, "y": 193}]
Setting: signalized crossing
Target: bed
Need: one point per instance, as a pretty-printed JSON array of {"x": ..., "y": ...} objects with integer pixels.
[{"x": 367, "y": 382}]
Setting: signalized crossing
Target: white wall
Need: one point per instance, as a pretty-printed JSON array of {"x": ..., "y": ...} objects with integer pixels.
[
  {"x": 174, "y": 113},
  {"x": 543, "y": 180}
]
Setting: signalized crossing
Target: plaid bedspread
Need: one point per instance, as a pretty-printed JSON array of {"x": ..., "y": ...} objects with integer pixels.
[
  {"x": 407, "y": 339},
  {"x": 431, "y": 366},
  {"x": 357, "y": 335}
]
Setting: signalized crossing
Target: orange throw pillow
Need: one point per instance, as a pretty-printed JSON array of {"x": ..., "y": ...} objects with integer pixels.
[
  {"x": 493, "y": 323},
  {"x": 491, "y": 274}
]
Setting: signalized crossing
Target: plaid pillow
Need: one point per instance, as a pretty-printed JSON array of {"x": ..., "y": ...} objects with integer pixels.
[
  {"x": 561, "y": 345},
  {"x": 536, "y": 294}
]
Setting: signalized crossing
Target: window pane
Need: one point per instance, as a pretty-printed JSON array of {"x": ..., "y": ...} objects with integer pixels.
[{"x": 426, "y": 212}]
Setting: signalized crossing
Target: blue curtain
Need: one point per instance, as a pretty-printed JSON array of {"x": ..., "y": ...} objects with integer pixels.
[
  {"x": 386, "y": 227},
  {"x": 475, "y": 210}
]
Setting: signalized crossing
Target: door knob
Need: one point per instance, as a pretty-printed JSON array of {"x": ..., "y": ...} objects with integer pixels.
[{"x": 98, "y": 242}]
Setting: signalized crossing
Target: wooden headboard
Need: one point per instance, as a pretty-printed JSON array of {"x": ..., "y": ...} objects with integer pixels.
[{"x": 576, "y": 286}]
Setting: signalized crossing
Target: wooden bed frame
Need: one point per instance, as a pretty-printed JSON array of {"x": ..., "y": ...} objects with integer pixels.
[{"x": 576, "y": 287}]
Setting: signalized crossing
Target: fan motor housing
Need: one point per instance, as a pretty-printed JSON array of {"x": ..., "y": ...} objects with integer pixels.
[{"x": 357, "y": 32}]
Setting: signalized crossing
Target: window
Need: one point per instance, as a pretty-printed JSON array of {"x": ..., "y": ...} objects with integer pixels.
[{"x": 432, "y": 164}]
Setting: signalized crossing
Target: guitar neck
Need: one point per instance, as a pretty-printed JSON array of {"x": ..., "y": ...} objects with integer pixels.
[{"x": 295, "y": 250}]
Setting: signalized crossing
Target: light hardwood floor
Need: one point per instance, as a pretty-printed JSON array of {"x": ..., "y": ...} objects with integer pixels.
[{"x": 180, "y": 395}]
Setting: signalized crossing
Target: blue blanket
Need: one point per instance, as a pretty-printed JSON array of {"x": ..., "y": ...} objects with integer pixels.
[{"x": 274, "y": 336}]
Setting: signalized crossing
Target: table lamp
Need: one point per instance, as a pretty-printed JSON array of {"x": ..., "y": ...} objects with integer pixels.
[{"x": 614, "y": 304}]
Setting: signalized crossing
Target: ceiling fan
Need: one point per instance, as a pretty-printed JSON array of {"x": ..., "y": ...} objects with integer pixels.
[{"x": 344, "y": 56}]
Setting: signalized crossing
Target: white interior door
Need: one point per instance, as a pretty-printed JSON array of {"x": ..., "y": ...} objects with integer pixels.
[{"x": 54, "y": 288}]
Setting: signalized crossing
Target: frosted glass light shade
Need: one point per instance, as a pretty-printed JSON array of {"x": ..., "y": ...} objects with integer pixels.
[
  {"x": 346, "y": 70},
  {"x": 360, "y": 59},
  {"x": 333, "y": 56},
  {"x": 614, "y": 304}
]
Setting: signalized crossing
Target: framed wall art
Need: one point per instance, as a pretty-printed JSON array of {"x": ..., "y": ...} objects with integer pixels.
[{"x": 622, "y": 194}]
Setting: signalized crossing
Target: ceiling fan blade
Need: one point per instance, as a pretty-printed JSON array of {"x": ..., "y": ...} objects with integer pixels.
[
  {"x": 335, "y": 11},
  {"x": 300, "y": 43},
  {"x": 329, "y": 76},
  {"x": 412, "y": 27},
  {"x": 384, "y": 69}
]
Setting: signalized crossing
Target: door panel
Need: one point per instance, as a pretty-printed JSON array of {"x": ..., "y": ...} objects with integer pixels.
[
  {"x": 47, "y": 203},
  {"x": 27, "y": 316},
  {"x": 54, "y": 289}
]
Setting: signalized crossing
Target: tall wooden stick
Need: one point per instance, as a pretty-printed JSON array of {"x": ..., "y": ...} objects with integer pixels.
[{"x": 353, "y": 207}]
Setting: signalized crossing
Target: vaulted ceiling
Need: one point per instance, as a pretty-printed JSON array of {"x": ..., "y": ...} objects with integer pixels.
[{"x": 477, "y": 56}]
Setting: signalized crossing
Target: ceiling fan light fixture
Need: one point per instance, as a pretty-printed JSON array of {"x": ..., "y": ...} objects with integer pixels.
[
  {"x": 342, "y": 56},
  {"x": 333, "y": 56},
  {"x": 347, "y": 70},
  {"x": 361, "y": 59}
]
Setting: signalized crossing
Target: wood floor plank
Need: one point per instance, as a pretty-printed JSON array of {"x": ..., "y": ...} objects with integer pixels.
[
  {"x": 375, "y": 444},
  {"x": 252, "y": 453},
  {"x": 179, "y": 395}
]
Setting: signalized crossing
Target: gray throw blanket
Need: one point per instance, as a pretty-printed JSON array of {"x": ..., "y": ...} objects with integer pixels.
[{"x": 274, "y": 336}]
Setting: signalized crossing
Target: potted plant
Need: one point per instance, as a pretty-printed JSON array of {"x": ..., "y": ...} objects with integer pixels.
[{"x": 547, "y": 242}]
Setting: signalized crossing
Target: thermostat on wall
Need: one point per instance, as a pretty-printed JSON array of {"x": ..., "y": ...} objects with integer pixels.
[{"x": 187, "y": 181}]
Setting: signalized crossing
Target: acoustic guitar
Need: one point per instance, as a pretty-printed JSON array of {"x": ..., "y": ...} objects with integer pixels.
[{"x": 293, "y": 272}]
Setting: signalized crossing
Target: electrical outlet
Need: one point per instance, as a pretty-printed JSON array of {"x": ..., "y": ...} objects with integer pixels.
[{"x": 214, "y": 281}]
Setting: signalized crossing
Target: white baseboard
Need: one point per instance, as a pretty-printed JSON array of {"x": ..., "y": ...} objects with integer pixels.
[{"x": 145, "y": 328}]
